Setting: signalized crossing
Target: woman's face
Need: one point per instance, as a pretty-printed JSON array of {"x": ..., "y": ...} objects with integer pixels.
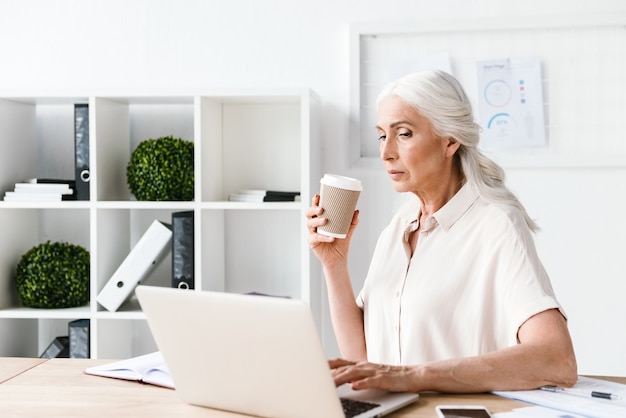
[{"x": 415, "y": 158}]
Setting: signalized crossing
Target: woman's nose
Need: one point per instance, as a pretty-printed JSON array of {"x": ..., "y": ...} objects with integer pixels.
[{"x": 386, "y": 149}]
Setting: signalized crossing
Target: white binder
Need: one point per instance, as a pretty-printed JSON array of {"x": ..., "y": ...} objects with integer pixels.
[{"x": 138, "y": 264}]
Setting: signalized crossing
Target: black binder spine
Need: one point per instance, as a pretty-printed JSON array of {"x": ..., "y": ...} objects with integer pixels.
[
  {"x": 78, "y": 331},
  {"x": 81, "y": 146},
  {"x": 183, "y": 250},
  {"x": 58, "y": 348}
]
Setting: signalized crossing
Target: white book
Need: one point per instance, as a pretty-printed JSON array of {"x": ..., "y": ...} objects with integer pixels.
[
  {"x": 43, "y": 187},
  {"x": 258, "y": 197},
  {"x": 149, "y": 368},
  {"x": 238, "y": 197},
  {"x": 258, "y": 192},
  {"x": 138, "y": 264},
  {"x": 263, "y": 192},
  {"x": 32, "y": 197}
]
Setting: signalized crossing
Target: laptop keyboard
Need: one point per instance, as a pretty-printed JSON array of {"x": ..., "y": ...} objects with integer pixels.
[{"x": 352, "y": 408}]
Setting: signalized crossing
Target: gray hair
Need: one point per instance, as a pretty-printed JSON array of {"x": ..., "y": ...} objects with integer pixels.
[{"x": 439, "y": 97}]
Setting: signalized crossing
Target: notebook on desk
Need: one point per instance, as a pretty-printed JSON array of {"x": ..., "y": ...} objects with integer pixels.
[{"x": 255, "y": 355}]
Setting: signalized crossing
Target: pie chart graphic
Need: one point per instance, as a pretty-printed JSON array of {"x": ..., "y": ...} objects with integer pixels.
[
  {"x": 498, "y": 93},
  {"x": 501, "y": 125}
]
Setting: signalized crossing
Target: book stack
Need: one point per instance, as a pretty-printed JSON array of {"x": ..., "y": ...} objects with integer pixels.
[
  {"x": 42, "y": 191},
  {"x": 264, "y": 196}
]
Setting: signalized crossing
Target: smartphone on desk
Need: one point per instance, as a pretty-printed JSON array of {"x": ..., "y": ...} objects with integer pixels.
[{"x": 462, "y": 411}]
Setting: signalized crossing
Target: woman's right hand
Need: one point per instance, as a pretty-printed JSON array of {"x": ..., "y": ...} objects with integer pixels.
[{"x": 329, "y": 250}]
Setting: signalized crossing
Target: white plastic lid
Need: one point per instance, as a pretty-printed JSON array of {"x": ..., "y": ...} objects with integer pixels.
[{"x": 342, "y": 182}]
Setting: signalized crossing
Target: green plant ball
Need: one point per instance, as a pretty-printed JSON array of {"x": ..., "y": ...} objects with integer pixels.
[
  {"x": 161, "y": 169},
  {"x": 53, "y": 275}
]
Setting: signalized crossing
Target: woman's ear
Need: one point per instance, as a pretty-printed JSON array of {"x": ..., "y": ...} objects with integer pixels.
[{"x": 452, "y": 146}]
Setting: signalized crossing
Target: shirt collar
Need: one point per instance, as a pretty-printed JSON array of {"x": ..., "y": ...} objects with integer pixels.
[
  {"x": 450, "y": 212},
  {"x": 456, "y": 207}
]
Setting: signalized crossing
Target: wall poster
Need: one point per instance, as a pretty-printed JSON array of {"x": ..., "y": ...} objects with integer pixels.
[{"x": 510, "y": 103}]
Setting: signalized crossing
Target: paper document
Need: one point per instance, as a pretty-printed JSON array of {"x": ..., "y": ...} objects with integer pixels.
[
  {"x": 536, "y": 412},
  {"x": 578, "y": 403},
  {"x": 510, "y": 103},
  {"x": 149, "y": 368}
]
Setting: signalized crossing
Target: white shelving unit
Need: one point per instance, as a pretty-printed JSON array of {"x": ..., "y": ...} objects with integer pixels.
[{"x": 242, "y": 140}]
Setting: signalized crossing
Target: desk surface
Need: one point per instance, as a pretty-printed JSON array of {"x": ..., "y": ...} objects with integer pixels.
[
  {"x": 58, "y": 387},
  {"x": 11, "y": 367}
]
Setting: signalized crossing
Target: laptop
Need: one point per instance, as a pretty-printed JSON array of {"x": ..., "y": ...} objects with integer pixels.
[{"x": 250, "y": 354}]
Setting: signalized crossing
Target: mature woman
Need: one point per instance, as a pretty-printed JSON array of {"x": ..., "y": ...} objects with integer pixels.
[{"x": 456, "y": 298}]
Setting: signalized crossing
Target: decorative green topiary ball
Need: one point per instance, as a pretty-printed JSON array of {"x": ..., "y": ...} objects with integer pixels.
[
  {"x": 161, "y": 169},
  {"x": 54, "y": 275}
]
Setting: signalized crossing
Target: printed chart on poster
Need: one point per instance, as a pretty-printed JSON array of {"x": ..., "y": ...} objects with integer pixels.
[{"x": 510, "y": 103}]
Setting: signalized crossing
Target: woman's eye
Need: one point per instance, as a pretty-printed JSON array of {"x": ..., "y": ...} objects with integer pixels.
[
  {"x": 381, "y": 137},
  {"x": 405, "y": 134}
]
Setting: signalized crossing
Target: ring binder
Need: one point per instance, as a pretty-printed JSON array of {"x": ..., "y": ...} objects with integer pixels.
[
  {"x": 81, "y": 142},
  {"x": 138, "y": 264},
  {"x": 183, "y": 250}
]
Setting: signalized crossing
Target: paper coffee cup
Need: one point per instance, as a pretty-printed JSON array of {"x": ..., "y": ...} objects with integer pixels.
[{"x": 338, "y": 198}]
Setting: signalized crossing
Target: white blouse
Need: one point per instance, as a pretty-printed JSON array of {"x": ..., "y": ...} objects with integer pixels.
[{"x": 474, "y": 279}]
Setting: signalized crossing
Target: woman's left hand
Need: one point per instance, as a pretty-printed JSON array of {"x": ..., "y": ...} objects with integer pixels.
[{"x": 365, "y": 375}]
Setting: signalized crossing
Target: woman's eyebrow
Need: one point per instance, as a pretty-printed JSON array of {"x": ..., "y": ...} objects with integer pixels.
[{"x": 394, "y": 124}]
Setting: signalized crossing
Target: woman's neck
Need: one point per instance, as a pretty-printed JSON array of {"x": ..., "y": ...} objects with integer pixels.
[{"x": 432, "y": 201}]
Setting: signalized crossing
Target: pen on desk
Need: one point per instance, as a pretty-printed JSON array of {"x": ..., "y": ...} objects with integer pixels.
[{"x": 573, "y": 391}]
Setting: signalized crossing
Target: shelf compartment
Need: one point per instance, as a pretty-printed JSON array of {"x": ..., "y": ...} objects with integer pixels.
[
  {"x": 19, "y": 337},
  {"x": 44, "y": 130},
  {"x": 25, "y": 228},
  {"x": 29, "y": 337},
  {"x": 118, "y": 232},
  {"x": 249, "y": 143},
  {"x": 120, "y": 124},
  {"x": 251, "y": 251}
]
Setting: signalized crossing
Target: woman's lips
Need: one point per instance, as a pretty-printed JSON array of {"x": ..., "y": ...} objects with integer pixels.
[{"x": 395, "y": 174}]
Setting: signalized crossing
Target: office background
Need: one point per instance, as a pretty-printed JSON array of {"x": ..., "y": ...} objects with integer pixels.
[{"x": 116, "y": 45}]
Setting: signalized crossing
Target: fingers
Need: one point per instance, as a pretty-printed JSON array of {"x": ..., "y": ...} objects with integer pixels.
[
  {"x": 315, "y": 201},
  {"x": 354, "y": 373},
  {"x": 353, "y": 225},
  {"x": 366, "y": 375},
  {"x": 313, "y": 213},
  {"x": 312, "y": 224},
  {"x": 314, "y": 220},
  {"x": 339, "y": 362}
]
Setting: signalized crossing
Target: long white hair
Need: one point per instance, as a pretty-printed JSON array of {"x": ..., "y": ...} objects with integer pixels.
[{"x": 439, "y": 97}]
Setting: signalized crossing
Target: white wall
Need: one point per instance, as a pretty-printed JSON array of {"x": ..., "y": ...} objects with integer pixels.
[{"x": 112, "y": 45}]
